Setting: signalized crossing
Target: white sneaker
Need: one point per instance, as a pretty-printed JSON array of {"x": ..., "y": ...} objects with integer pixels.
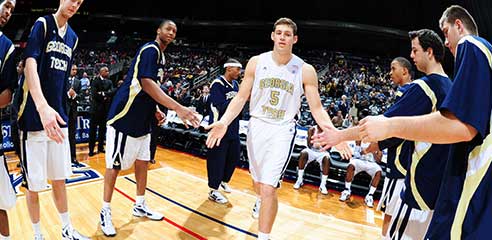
[
  {"x": 68, "y": 233},
  {"x": 345, "y": 195},
  {"x": 369, "y": 201},
  {"x": 323, "y": 189},
  {"x": 298, "y": 183},
  {"x": 256, "y": 209},
  {"x": 38, "y": 237},
  {"x": 106, "y": 223},
  {"x": 141, "y": 210},
  {"x": 226, "y": 187},
  {"x": 217, "y": 196}
]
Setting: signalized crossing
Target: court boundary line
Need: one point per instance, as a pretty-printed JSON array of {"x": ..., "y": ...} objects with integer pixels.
[
  {"x": 247, "y": 170},
  {"x": 329, "y": 217},
  {"x": 180, "y": 227},
  {"x": 195, "y": 211}
]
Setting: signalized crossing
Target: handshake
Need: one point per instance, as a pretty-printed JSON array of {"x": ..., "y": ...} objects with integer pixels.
[{"x": 370, "y": 129}]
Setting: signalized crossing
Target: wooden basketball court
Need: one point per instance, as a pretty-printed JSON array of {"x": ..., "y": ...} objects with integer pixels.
[{"x": 177, "y": 187}]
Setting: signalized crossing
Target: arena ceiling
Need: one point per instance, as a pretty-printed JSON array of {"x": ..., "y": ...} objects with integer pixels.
[{"x": 367, "y": 26}]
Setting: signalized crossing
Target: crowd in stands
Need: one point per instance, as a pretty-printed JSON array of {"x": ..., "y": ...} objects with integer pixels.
[
  {"x": 350, "y": 86},
  {"x": 184, "y": 64}
]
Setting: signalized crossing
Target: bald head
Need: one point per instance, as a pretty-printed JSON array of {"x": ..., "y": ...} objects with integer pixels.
[{"x": 104, "y": 72}]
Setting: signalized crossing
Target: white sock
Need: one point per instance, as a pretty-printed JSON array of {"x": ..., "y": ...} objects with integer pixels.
[
  {"x": 323, "y": 180},
  {"x": 372, "y": 190},
  {"x": 347, "y": 185},
  {"x": 263, "y": 236},
  {"x": 300, "y": 174},
  {"x": 139, "y": 199},
  {"x": 65, "y": 218},
  {"x": 36, "y": 227},
  {"x": 2, "y": 237},
  {"x": 106, "y": 205}
]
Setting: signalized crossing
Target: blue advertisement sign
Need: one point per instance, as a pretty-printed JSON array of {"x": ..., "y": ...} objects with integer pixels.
[{"x": 81, "y": 134}]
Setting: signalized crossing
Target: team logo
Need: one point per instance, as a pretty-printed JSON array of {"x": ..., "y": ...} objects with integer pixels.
[
  {"x": 83, "y": 173},
  {"x": 293, "y": 69}
]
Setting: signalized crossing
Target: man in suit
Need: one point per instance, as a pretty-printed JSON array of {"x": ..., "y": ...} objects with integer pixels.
[
  {"x": 14, "y": 109},
  {"x": 73, "y": 99},
  {"x": 201, "y": 103},
  {"x": 102, "y": 91}
]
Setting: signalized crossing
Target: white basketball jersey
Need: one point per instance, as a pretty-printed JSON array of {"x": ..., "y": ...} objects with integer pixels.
[
  {"x": 367, "y": 157},
  {"x": 316, "y": 147},
  {"x": 277, "y": 90}
]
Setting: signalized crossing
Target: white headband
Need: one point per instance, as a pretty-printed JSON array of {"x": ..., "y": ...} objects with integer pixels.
[{"x": 233, "y": 65}]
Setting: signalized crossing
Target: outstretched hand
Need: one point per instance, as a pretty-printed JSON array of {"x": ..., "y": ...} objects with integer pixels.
[
  {"x": 327, "y": 138},
  {"x": 217, "y": 131},
  {"x": 188, "y": 116},
  {"x": 344, "y": 150}
]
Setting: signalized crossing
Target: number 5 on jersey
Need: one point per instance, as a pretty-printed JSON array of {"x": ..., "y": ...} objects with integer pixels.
[{"x": 274, "y": 97}]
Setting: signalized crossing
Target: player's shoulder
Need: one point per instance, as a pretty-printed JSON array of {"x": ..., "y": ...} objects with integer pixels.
[
  {"x": 254, "y": 59},
  {"x": 217, "y": 81},
  {"x": 150, "y": 49},
  {"x": 475, "y": 41},
  {"x": 306, "y": 67},
  {"x": 4, "y": 40},
  {"x": 475, "y": 45},
  {"x": 417, "y": 83},
  {"x": 42, "y": 19},
  {"x": 262, "y": 57},
  {"x": 71, "y": 31},
  {"x": 308, "y": 73},
  {"x": 252, "y": 62},
  {"x": 41, "y": 24}
]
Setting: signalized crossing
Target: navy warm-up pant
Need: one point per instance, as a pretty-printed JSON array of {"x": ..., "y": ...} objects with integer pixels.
[{"x": 221, "y": 162}]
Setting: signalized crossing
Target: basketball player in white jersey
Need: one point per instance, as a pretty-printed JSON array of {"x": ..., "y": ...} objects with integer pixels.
[
  {"x": 274, "y": 82},
  {"x": 363, "y": 162},
  {"x": 310, "y": 154}
]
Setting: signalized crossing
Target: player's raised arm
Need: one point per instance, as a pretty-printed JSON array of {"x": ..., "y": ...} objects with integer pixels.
[
  {"x": 439, "y": 127},
  {"x": 310, "y": 82}
]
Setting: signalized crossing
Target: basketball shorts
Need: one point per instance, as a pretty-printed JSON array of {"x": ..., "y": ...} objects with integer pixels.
[
  {"x": 316, "y": 156},
  {"x": 409, "y": 223},
  {"x": 43, "y": 159},
  {"x": 269, "y": 150},
  {"x": 7, "y": 193},
  {"x": 390, "y": 196},
  {"x": 370, "y": 168},
  {"x": 123, "y": 150}
]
